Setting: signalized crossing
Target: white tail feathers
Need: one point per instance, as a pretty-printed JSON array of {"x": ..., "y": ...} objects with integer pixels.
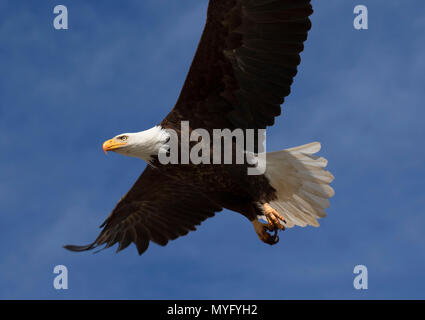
[{"x": 301, "y": 183}]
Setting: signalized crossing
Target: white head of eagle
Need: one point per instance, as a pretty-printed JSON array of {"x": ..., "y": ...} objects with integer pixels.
[{"x": 142, "y": 145}]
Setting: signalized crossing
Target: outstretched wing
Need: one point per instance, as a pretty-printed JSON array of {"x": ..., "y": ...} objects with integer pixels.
[
  {"x": 244, "y": 65},
  {"x": 155, "y": 209}
]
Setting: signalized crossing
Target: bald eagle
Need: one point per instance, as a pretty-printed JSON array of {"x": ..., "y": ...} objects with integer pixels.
[{"x": 242, "y": 71}]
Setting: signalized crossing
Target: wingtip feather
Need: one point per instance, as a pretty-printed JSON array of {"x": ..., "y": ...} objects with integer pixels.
[{"x": 75, "y": 248}]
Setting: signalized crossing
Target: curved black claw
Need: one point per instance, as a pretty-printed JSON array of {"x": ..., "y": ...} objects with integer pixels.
[{"x": 270, "y": 239}]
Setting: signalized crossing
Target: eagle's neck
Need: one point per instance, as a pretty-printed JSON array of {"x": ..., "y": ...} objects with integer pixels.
[{"x": 146, "y": 144}]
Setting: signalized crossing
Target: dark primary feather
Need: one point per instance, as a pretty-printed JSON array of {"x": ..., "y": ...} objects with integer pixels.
[
  {"x": 156, "y": 209},
  {"x": 244, "y": 65}
]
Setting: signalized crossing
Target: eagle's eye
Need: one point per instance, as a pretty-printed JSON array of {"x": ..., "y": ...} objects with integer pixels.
[{"x": 123, "y": 138}]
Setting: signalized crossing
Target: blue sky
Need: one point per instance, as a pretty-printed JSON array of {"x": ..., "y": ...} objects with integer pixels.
[{"x": 120, "y": 67}]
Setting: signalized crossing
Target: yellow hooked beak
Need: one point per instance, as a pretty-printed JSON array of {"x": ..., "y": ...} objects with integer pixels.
[{"x": 112, "y": 144}]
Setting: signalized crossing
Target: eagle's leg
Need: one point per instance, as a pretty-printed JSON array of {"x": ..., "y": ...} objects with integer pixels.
[
  {"x": 273, "y": 217},
  {"x": 273, "y": 224}
]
